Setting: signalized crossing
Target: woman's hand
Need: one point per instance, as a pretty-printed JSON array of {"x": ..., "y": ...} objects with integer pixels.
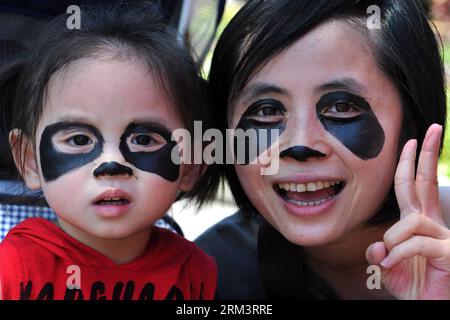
[{"x": 415, "y": 252}]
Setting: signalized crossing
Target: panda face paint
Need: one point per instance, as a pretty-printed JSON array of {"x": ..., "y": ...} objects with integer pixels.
[
  {"x": 263, "y": 118},
  {"x": 66, "y": 146},
  {"x": 81, "y": 143},
  {"x": 351, "y": 120},
  {"x": 143, "y": 158}
]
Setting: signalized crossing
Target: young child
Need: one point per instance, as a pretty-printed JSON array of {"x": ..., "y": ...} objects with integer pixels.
[{"x": 91, "y": 114}]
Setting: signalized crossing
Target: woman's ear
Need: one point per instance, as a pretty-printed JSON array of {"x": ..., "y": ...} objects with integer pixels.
[
  {"x": 191, "y": 174},
  {"x": 24, "y": 158}
]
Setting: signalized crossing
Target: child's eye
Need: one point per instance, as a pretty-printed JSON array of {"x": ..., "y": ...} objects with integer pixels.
[
  {"x": 147, "y": 142},
  {"x": 142, "y": 139},
  {"x": 342, "y": 109},
  {"x": 80, "y": 140}
]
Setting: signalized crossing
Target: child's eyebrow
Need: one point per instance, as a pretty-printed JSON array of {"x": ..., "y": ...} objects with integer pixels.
[{"x": 151, "y": 124}]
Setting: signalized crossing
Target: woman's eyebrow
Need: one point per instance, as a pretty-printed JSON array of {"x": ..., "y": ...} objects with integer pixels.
[
  {"x": 348, "y": 84},
  {"x": 258, "y": 89}
]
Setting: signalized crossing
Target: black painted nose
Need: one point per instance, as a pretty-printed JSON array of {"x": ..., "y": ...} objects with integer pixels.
[
  {"x": 301, "y": 153},
  {"x": 112, "y": 169}
]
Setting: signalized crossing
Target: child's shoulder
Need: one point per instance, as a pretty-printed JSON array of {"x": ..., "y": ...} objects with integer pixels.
[
  {"x": 170, "y": 244},
  {"x": 20, "y": 256},
  {"x": 20, "y": 242},
  {"x": 190, "y": 260},
  {"x": 25, "y": 231}
]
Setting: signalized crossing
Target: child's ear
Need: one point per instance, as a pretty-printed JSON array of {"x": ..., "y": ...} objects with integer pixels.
[
  {"x": 25, "y": 159},
  {"x": 191, "y": 174}
]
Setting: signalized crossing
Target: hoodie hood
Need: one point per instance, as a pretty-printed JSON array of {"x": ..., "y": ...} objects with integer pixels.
[{"x": 48, "y": 236}]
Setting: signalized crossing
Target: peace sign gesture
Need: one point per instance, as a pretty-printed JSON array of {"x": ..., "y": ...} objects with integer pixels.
[{"x": 415, "y": 252}]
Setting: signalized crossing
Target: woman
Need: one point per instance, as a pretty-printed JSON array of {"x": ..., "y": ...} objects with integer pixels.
[{"x": 352, "y": 96}]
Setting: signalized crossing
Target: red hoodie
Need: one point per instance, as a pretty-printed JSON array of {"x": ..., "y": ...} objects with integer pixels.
[{"x": 37, "y": 261}]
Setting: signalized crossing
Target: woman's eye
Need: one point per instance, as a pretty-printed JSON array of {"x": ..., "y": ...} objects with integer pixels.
[
  {"x": 267, "y": 111},
  {"x": 342, "y": 109},
  {"x": 142, "y": 140},
  {"x": 80, "y": 140},
  {"x": 266, "y": 114}
]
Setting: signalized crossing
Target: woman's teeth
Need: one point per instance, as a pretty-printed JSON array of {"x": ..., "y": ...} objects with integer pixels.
[
  {"x": 309, "y": 203},
  {"x": 309, "y": 194},
  {"x": 310, "y": 186}
]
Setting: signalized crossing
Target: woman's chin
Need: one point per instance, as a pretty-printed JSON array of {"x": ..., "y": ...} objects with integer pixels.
[{"x": 310, "y": 236}]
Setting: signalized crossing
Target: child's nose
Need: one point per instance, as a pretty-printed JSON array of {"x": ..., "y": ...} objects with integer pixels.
[
  {"x": 112, "y": 163},
  {"x": 112, "y": 169}
]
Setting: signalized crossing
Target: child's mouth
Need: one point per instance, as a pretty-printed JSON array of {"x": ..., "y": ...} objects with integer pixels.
[
  {"x": 309, "y": 194},
  {"x": 112, "y": 201}
]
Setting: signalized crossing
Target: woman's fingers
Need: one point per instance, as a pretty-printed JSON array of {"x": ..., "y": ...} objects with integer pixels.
[
  {"x": 417, "y": 246},
  {"x": 404, "y": 180},
  {"x": 426, "y": 179},
  {"x": 414, "y": 224},
  {"x": 375, "y": 253}
]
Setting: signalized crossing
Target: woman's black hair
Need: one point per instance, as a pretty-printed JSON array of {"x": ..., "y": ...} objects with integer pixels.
[
  {"x": 405, "y": 48},
  {"x": 125, "y": 30}
]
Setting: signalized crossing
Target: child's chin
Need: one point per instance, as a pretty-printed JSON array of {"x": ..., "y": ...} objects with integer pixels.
[{"x": 109, "y": 234}]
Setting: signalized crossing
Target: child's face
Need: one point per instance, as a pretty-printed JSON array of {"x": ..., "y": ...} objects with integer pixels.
[
  {"x": 103, "y": 149},
  {"x": 340, "y": 120}
]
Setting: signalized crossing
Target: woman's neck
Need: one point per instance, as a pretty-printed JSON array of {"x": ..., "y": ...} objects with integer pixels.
[
  {"x": 343, "y": 263},
  {"x": 119, "y": 251}
]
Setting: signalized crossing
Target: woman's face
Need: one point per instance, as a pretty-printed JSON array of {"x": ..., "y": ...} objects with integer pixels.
[{"x": 339, "y": 119}]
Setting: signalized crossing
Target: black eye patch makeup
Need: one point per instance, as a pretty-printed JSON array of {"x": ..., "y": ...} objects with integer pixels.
[
  {"x": 362, "y": 134},
  {"x": 158, "y": 162},
  {"x": 54, "y": 162},
  {"x": 262, "y": 117}
]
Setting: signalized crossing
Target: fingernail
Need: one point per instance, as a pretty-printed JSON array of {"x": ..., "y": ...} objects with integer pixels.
[
  {"x": 431, "y": 133},
  {"x": 386, "y": 263},
  {"x": 436, "y": 125}
]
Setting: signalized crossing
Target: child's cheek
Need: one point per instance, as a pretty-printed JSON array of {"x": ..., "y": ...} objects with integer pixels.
[
  {"x": 154, "y": 193},
  {"x": 70, "y": 191}
]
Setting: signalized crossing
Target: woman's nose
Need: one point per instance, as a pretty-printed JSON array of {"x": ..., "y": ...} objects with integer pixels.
[
  {"x": 305, "y": 139},
  {"x": 301, "y": 153}
]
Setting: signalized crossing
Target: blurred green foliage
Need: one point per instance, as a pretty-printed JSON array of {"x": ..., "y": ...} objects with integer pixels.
[{"x": 444, "y": 164}]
